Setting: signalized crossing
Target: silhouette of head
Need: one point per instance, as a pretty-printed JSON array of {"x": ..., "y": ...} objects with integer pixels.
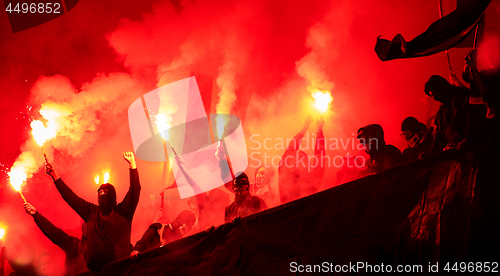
[
  {"x": 411, "y": 130},
  {"x": 438, "y": 88},
  {"x": 184, "y": 222},
  {"x": 371, "y": 137},
  {"x": 106, "y": 197}
]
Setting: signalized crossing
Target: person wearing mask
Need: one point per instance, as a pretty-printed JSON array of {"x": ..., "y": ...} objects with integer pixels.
[{"x": 108, "y": 224}]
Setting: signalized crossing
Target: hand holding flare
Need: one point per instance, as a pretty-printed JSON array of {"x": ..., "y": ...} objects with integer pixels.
[
  {"x": 49, "y": 169},
  {"x": 221, "y": 155}
]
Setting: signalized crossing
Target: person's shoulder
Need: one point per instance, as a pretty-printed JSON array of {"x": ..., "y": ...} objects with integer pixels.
[
  {"x": 462, "y": 92},
  {"x": 392, "y": 149},
  {"x": 231, "y": 206},
  {"x": 256, "y": 200},
  {"x": 156, "y": 225},
  {"x": 407, "y": 151}
]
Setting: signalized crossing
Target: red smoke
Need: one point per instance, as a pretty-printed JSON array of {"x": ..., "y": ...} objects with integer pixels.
[{"x": 102, "y": 55}]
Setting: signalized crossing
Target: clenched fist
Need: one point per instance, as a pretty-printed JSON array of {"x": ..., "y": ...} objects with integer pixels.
[{"x": 129, "y": 157}]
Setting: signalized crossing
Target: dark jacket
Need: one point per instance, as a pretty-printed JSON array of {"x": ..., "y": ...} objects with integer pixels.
[
  {"x": 73, "y": 247},
  {"x": 151, "y": 238},
  {"x": 458, "y": 120},
  {"x": 421, "y": 146},
  {"x": 108, "y": 237},
  {"x": 386, "y": 157},
  {"x": 250, "y": 205}
]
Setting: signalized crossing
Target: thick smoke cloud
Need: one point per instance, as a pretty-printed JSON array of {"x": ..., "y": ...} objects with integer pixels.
[{"x": 93, "y": 62}]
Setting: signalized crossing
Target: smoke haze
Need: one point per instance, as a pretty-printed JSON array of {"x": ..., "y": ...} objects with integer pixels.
[{"x": 92, "y": 63}]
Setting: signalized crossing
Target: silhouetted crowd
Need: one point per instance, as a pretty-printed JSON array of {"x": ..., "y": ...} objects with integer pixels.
[{"x": 467, "y": 119}]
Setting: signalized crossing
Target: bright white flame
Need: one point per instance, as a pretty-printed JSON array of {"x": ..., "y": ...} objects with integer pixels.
[
  {"x": 163, "y": 123},
  {"x": 17, "y": 177},
  {"x": 106, "y": 177},
  {"x": 2, "y": 232},
  {"x": 221, "y": 122},
  {"x": 96, "y": 179},
  {"x": 42, "y": 133},
  {"x": 323, "y": 100}
]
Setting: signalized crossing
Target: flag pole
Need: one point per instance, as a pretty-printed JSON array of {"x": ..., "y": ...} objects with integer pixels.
[
  {"x": 475, "y": 35},
  {"x": 446, "y": 51}
]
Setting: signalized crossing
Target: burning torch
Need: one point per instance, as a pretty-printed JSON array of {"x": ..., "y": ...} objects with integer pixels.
[
  {"x": 106, "y": 178},
  {"x": 42, "y": 134},
  {"x": 17, "y": 177},
  {"x": 323, "y": 99}
]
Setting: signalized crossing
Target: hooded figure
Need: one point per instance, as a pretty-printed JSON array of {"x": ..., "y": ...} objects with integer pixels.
[
  {"x": 160, "y": 234},
  {"x": 382, "y": 156},
  {"x": 244, "y": 203},
  {"x": 457, "y": 122},
  {"x": 418, "y": 137},
  {"x": 108, "y": 224},
  {"x": 106, "y": 197}
]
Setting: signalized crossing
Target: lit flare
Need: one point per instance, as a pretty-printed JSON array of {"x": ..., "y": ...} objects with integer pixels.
[
  {"x": 106, "y": 177},
  {"x": 42, "y": 133},
  {"x": 221, "y": 122},
  {"x": 17, "y": 177},
  {"x": 323, "y": 100},
  {"x": 163, "y": 123},
  {"x": 96, "y": 179},
  {"x": 2, "y": 232}
]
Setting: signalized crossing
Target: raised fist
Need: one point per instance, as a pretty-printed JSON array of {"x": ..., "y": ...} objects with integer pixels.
[{"x": 129, "y": 157}]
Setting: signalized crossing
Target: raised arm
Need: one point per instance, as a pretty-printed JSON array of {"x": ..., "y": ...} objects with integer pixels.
[
  {"x": 150, "y": 239},
  {"x": 82, "y": 207},
  {"x": 190, "y": 180},
  {"x": 225, "y": 172},
  {"x": 129, "y": 203},
  {"x": 294, "y": 145},
  {"x": 318, "y": 166},
  {"x": 55, "y": 234}
]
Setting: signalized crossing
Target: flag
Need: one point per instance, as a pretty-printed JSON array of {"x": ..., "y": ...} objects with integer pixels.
[
  {"x": 448, "y": 6},
  {"x": 443, "y": 34}
]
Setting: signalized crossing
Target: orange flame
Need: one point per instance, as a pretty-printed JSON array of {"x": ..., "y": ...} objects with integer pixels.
[
  {"x": 163, "y": 124},
  {"x": 17, "y": 177},
  {"x": 2, "y": 232},
  {"x": 323, "y": 100},
  {"x": 96, "y": 179},
  {"x": 106, "y": 177},
  {"x": 42, "y": 133}
]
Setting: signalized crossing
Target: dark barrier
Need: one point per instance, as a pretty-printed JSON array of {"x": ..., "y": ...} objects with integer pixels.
[{"x": 418, "y": 216}]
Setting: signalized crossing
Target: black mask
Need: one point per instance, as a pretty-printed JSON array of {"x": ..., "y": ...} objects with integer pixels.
[{"x": 107, "y": 201}]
